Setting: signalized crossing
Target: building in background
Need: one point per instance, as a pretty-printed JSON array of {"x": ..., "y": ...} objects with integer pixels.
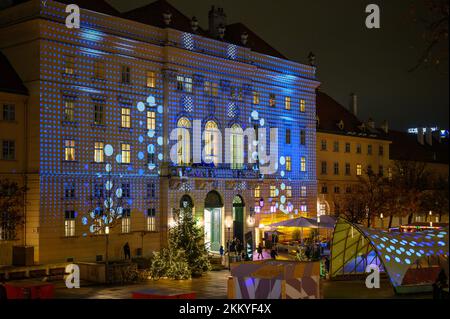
[
  {"x": 347, "y": 148},
  {"x": 108, "y": 96}
]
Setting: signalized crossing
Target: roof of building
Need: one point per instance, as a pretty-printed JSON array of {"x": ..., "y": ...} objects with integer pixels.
[
  {"x": 9, "y": 80},
  {"x": 335, "y": 118},
  {"x": 405, "y": 146},
  {"x": 152, "y": 14}
]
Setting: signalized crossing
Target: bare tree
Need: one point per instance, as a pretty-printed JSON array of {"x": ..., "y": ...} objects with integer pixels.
[{"x": 11, "y": 208}]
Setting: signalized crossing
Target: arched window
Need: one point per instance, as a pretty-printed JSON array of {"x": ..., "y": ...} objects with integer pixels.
[
  {"x": 237, "y": 147},
  {"x": 184, "y": 141},
  {"x": 211, "y": 142}
]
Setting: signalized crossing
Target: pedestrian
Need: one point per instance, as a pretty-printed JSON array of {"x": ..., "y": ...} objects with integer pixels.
[
  {"x": 273, "y": 253},
  {"x": 221, "y": 251},
  {"x": 259, "y": 250},
  {"x": 126, "y": 251}
]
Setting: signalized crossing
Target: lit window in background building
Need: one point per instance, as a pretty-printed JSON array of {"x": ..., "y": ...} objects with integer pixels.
[
  {"x": 151, "y": 79},
  {"x": 303, "y": 164},
  {"x": 272, "y": 100},
  {"x": 288, "y": 163},
  {"x": 211, "y": 147},
  {"x": 151, "y": 219},
  {"x": 69, "y": 150},
  {"x": 126, "y": 153},
  {"x": 183, "y": 150},
  {"x": 69, "y": 65},
  {"x": 126, "y": 220},
  {"x": 302, "y": 105},
  {"x": 273, "y": 191},
  {"x": 256, "y": 96},
  {"x": 184, "y": 84},
  {"x": 288, "y": 191},
  {"x": 69, "y": 223},
  {"x": 236, "y": 147},
  {"x": 98, "y": 152},
  {"x": 151, "y": 120},
  {"x": 303, "y": 208},
  {"x": 287, "y": 102},
  {"x": 257, "y": 192},
  {"x": 358, "y": 169},
  {"x": 126, "y": 117},
  {"x": 303, "y": 191}
]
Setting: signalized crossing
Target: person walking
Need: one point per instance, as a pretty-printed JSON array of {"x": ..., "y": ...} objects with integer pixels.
[
  {"x": 126, "y": 251},
  {"x": 259, "y": 250},
  {"x": 273, "y": 253},
  {"x": 221, "y": 251}
]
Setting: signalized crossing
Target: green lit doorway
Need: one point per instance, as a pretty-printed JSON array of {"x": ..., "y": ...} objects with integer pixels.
[
  {"x": 213, "y": 221},
  {"x": 238, "y": 218}
]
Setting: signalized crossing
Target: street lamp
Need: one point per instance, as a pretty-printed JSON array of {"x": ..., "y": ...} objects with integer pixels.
[
  {"x": 228, "y": 224},
  {"x": 381, "y": 217},
  {"x": 431, "y": 221}
]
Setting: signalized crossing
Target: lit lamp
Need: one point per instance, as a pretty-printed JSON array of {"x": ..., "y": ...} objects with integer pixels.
[
  {"x": 431, "y": 221},
  {"x": 381, "y": 217},
  {"x": 228, "y": 224},
  {"x": 107, "y": 230}
]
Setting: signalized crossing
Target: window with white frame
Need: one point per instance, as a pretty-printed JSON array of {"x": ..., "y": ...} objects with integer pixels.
[
  {"x": 303, "y": 164},
  {"x": 288, "y": 163},
  {"x": 126, "y": 153},
  {"x": 151, "y": 79},
  {"x": 151, "y": 120},
  {"x": 211, "y": 142},
  {"x": 126, "y": 220},
  {"x": 98, "y": 152},
  {"x": 9, "y": 112},
  {"x": 69, "y": 110},
  {"x": 126, "y": 117},
  {"x": 69, "y": 65},
  {"x": 183, "y": 145},
  {"x": 184, "y": 83},
  {"x": 256, "y": 96},
  {"x": 237, "y": 147},
  {"x": 287, "y": 102},
  {"x": 69, "y": 223},
  {"x": 302, "y": 105},
  {"x": 257, "y": 191},
  {"x": 69, "y": 150},
  {"x": 151, "y": 190},
  {"x": 288, "y": 191},
  {"x": 273, "y": 191},
  {"x": 303, "y": 191}
]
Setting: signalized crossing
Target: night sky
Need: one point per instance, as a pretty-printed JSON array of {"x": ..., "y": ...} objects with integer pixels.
[{"x": 373, "y": 63}]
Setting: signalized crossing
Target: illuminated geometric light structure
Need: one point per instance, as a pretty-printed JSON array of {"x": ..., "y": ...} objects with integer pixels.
[{"x": 354, "y": 247}]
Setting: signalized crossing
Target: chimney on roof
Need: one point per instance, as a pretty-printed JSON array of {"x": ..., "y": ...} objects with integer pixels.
[
  {"x": 312, "y": 59},
  {"x": 371, "y": 123},
  {"x": 385, "y": 126},
  {"x": 420, "y": 135},
  {"x": 429, "y": 136},
  {"x": 194, "y": 24},
  {"x": 354, "y": 104},
  {"x": 167, "y": 17},
  {"x": 217, "y": 21},
  {"x": 244, "y": 37}
]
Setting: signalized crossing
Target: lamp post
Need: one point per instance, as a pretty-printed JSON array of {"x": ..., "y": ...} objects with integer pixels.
[
  {"x": 431, "y": 220},
  {"x": 381, "y": 217},
  {"x": 228, "y": 224}
]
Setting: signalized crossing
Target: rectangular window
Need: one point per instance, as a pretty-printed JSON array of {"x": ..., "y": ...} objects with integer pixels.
[
  {"x": 273, "y": 191},
  {"x": 358, "y": 169},
  {"x": 69, "y": 223},
  {"x": 126, "y": 190},
  {"x": 288, "y": 163},
  {"x": 287, "y": 102},
  {"x": 9, "y": 112},
  {"x": 150, "y": 158},
  {"x": 98, "y": 152},
  {"x": 151, "y": 219},
  {"x": 256, "y": 96},
  {"x": 207, "y": 87},
  {"x": 336, "y": 146},
  {"x": 324, "y": 189},
  {"x": 323, "y": 145},
  {"x": 126, "y": 117},
  {"x": 126, "y": 220},
  {"x": 184, "y": 83},
  {"x": 215, "y": 89},
  {"x": 347, "y": 169},
  {"x": 381, "y": 170},
  {"x": 380, "y": 150},
  {"x": 288, "y": 191},
  {"x": 69, "y": 110},
  {"x": 126, "y": 153},
  {"x": 272, "y": 100},
  {"x": 69, "y": 65},
  {"x": 369, "y": 149},
  {"x": 302, "y": 105},
  {"x": 358, "y": 148},
  {"x": 288, "y": 136},
  {"x": 69, "y": 150},
  {"x": 336, "y": 168},
  {"x": 69, "y": 190},
  {"x": 323, "y": 167},
  {"x": 303, "y": 191},
  {"x": 151, "y": 79},
  {"x": 348, "y": 189},
  {"x": 303, "y": 208},
  {"x": 337, "y": 190},
  {"x": 8, "y": 150},
  {"x": 99, "y": 118},
  {"x": 347, "y": 147},
  {"x": 98, "y": 190},
  {"x": 369, "y": 170},
  {"x": 151, "y": 120},
  {"x": 302, "y": 137},
  {"x": 303, "y": 164},
  {"x": 151, "y": 190},
  {"x": 257, "y": 192},
  {"x": 126, "y": 74},
  {"x": 99, "y": 69}
]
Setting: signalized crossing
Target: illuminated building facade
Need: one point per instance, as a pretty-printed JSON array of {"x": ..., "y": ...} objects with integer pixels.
[
  {"x": 346, "y": 149},
  {"x": 109, "y": 97}
]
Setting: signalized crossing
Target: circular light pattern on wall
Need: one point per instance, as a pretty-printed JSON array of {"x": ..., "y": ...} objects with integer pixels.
[
  {"x": 141, "y": 106},
  {"x": 109, "y": 150}
]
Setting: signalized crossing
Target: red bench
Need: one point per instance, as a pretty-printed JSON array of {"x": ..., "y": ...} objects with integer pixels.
[{"x": 29, "y": 290}]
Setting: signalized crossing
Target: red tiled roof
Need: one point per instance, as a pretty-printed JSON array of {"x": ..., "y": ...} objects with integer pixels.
[{"x": 9, "y": 80}]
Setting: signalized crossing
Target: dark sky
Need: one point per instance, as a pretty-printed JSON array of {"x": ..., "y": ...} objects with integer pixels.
[{"x": 351, "y": 58}]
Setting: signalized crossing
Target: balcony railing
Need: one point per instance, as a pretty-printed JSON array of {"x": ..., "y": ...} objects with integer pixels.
[{"x": 246, "y": 171}]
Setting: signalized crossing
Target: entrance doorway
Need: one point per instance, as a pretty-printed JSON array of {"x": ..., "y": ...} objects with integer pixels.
[
  {"x": 238, "y": 218},
  {"x": 213, "y": 221}
]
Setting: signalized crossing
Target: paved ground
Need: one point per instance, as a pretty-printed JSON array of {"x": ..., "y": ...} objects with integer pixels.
[{"x": 213, "y": 285}]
